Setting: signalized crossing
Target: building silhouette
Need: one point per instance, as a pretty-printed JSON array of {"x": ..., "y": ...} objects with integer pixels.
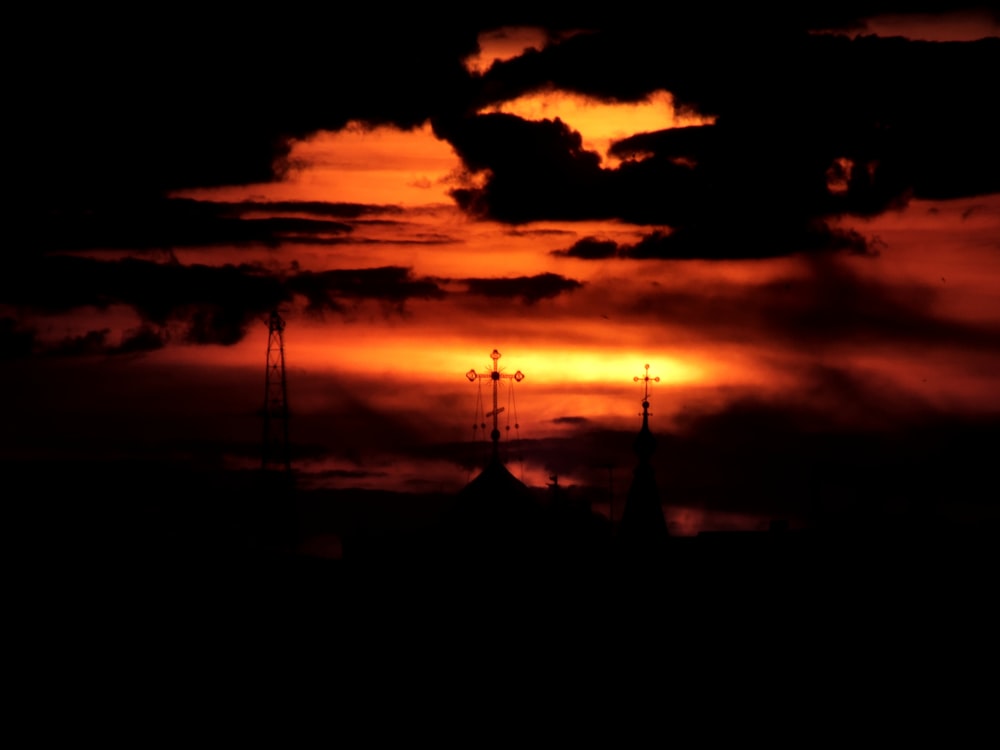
[
  {"x": 495, "y": 519},
  {"x": 642, "y": 530}
]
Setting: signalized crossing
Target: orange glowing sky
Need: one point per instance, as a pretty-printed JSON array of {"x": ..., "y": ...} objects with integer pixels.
[
  {"x": 581, "y": 352},
  {"x": 914, "y": 323}
]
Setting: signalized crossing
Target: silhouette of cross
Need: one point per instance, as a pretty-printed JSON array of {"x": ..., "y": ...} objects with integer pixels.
[
  {"x": 495, "y": 375},
  {"x": 645, "y": 393}
]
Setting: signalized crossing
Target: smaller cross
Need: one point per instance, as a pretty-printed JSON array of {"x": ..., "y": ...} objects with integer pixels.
[{"x": 646, "y": 381}]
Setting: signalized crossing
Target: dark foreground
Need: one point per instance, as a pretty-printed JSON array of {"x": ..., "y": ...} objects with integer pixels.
[{"x": 146, "y": 598}]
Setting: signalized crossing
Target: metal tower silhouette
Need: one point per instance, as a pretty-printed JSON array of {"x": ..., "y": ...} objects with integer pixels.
[
  {"x": 275, "y": 446},
  {"x": 495, "y": 375}
]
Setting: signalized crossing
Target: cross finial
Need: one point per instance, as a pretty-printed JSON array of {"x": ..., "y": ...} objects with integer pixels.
[
  {"x": 645, "y": 393},
  {"x": 495, "y": 375}
]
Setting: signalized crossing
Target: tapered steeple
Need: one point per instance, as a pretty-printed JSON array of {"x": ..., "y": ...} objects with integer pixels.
[{"x": 643, "y": 525}]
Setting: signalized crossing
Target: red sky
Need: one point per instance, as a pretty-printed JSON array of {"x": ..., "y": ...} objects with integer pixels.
[{"x": 804, "y": 247}]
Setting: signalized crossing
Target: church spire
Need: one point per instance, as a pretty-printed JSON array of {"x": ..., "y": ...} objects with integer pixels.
[
  {"x": 495, "y": 517},
  {"x": 643, "y": 524},
  {"x": 645, "y": 443}
]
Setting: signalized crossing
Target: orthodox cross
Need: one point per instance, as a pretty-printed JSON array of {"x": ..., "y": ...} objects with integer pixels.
[
  {"x": 495, "y": 375},
  {"x": 645, "y": 394}
]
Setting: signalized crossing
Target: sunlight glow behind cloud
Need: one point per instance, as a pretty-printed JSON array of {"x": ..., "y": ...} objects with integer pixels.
[
  {"x": 598, "y": 122},
  {"x": 504, "y": 44},
  {"x": 380, "y": 165},
  {"x": 955, "y": 26}
]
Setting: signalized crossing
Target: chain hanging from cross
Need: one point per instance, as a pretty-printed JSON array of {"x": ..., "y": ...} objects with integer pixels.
[
  {"x": 495, "y": 375},
  {"x": 645, "y": 393}
]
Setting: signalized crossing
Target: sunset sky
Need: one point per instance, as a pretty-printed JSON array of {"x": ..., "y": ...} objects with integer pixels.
[{"x": 792, "y": 216}]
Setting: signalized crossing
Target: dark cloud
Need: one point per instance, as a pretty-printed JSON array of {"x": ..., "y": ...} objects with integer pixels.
[
  {"x": 92, "y": 342},
  {"x": 125, "y": 111},
  {"x": 537, "y": 170},
  {"x": 219, "y": 300},
  {"x": 809, "y": 128},
  {"x": 18, "y": 342},
  {"x": 757, "y": 238},
  {"x": 591, "y": 248},
  {"x": 15, "y": 340},
  {"x": 826, "y": 304},
  {"x": 343, "y": 477},
  {"x": 316, "y": 208},
  {"x": 118, "y": 117},
  {"x": 158, "y": 291},
  {"x": 833, "y": 303},
  {"x": 754, "y": 240},
  {"x": 847, "y": 448},
  {"x": 570, "y": 420},
  {"x": 886, "y": 461},
  {"x": 164, "y": 224},
  {"x": 207, "y": 304},
  {"x": 217, "y": 305},
  {"x": 215, "y": 324},
  {"x": 328, "y": 290},
  {"x": 142, "y": 339},
  {"x": 530, "y": 289}
]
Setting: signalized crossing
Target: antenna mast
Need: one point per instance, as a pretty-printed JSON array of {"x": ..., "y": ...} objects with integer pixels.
[{"x": 275, "y": 447}]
